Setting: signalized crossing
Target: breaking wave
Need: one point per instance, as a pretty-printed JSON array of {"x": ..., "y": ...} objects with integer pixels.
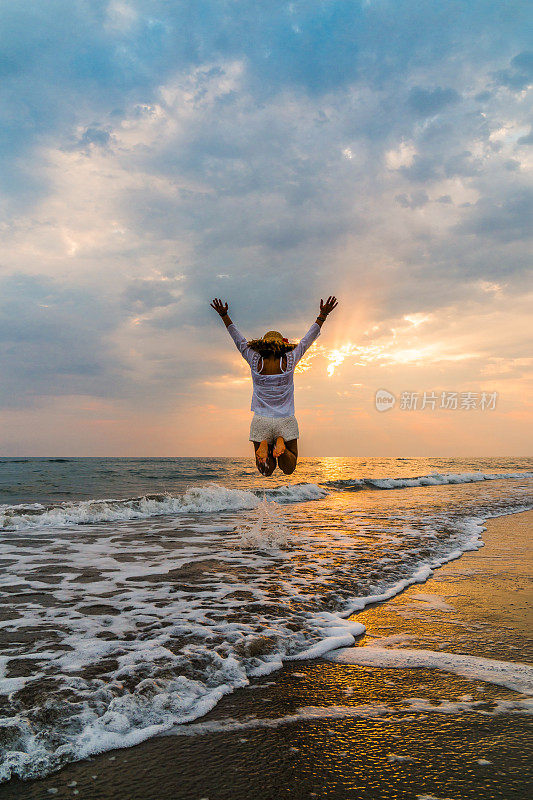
[
  {"x": 197, "y": 499},
  {"x": 213, "y": 497},
  {"x": 434, "y": 479}
]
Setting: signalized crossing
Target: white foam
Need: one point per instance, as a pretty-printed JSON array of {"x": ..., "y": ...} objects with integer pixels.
[
  {"x": 471, "y": 540},
  {"x": 364, "y": 711},
  {"x": 211, "y": 497},
  {"x": 258, "y": 601},
  {"x": 396, "y": 639},
  {"x": 431, "y": 797},
  {"x": 519, "y": 706},
  {"x": 392, "y": 757},
  {"x": 338, "y": 633},
  {"x": 433, "y": 479},
  {"x": 197, "y": 499},
  {"x": 433, "y": 602},
  {"x": 512, "y": 675},
  {"x": 297, "y": 493},
  {"x": 266, "y": 530},
  {"x": 230, "y": 724},
  {"x": 208, "y": 498}
]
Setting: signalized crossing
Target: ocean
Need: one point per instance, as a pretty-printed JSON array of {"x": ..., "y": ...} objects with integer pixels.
[{"x": 137, "y": 592}]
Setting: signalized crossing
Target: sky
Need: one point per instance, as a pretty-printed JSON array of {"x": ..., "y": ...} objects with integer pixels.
[{"x": 155, "y": 155}]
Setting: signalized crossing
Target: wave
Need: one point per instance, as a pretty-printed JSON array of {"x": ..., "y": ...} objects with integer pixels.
[
  {"x": 192, "y": 683},
  {"x": 434, "y": 479},
  {"x": 295, "y": 493},
  {"x": 197, "y": 499},
  {"x": 513, "y": 675},
  {"x": 417, "y": 705},
  {"x": 213, "y": 497},
  {"x": 157, "y": 684}
]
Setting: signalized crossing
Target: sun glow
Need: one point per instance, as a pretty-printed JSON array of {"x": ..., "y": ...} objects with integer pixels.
[
  {"x": 417, "y": 319},
  {"x": 379, "y": 355},
  {"x": 387, "y": 346},
  {"x": 336, "y": 357}
]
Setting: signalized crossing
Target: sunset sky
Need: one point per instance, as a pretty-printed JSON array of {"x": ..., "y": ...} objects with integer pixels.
[{"x": 158, "y": 154}]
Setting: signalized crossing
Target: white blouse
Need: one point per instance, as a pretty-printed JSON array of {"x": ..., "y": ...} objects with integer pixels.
[{"x": 273, "y": 395}]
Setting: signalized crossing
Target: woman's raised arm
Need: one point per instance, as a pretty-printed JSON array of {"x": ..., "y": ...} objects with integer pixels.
[
  {"x": 240, "y": 342},
  {"x": 314, "y": 331},
  {"x": 326, "y": 308},
  {"x": 222, "y": 310}
]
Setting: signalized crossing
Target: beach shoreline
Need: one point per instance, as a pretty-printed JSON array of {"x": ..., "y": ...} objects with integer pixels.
[{"x": 321, "y": 729}]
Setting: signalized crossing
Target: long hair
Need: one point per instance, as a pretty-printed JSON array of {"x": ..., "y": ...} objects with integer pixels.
[{"x": 271, "y": 348}]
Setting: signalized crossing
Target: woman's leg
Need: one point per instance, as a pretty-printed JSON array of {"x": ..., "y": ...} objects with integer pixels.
[
  {"x": 287, "y": 461},
  {"x": 264, "y": 460}
]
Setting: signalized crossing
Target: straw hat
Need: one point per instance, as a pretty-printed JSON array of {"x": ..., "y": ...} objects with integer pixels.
[
  {"x": 274, "y": 336},
  {"x": 272, "y": 343}
]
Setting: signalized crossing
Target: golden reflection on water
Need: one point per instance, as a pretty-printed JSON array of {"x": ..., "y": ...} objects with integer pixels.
[
  {"x": 374, "y": 746},
  {"x": 330, "y": 467}
]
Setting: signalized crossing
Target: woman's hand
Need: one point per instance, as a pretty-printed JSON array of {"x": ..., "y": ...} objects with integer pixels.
[
  {"x": 219, "y": 307},
  {"x": 327, "y": 307}
]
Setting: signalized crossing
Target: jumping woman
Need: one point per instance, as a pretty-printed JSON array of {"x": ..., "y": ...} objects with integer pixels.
[{"x": 272, "y": 359}]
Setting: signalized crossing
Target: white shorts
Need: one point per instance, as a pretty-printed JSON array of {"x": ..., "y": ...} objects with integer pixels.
[{"x": 270, "y": 428}]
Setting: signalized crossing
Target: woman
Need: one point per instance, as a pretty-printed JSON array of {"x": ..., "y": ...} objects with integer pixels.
[{"x": 272, "y": 359}]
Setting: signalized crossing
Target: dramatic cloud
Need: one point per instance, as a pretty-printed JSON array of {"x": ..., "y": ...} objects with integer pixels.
[
  {"x": 54, "y": 340},
  {"x": 156, "y": 154},
  {"x": 428, "y": 102}
]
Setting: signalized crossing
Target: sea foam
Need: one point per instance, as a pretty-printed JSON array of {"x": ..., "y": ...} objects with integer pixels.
[
  {"x": 512, "y": 675},
  {"x": 267, "y": 530},
  {"x": 155, "y": 620},
  {"x": 434, "y": 479},
  {"x": 198, "y": 499},
  {"x": 213, "y": 497}
]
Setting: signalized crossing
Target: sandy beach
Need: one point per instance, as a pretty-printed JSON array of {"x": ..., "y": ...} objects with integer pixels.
[{"x": 318, "y": 729}]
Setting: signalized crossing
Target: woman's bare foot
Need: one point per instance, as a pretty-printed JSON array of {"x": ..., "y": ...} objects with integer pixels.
[
  {"x": 262, "y": 452},
  {"x": 279, "y": 447}
]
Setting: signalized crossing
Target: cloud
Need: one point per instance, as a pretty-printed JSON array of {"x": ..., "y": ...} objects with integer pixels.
[
  {"x": 463, "y": 165},
  {"x": 423, "y": 170},
  {"x": 156, "y": 155},
  {"x": 94, "y": 136},
  {"x": 507, "y": 220},
  {"x": 520, "y": 73},
  {"x": 428, "y": 102},
  {"x": 414, "y": 200},
  {"x": 55, "y": 339},
  {"x": 145, "y": 295},
  {"x": 527, "y": 139}
]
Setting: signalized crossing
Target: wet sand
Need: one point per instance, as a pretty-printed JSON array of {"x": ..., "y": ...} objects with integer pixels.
[{"x": 324, "y": 730}]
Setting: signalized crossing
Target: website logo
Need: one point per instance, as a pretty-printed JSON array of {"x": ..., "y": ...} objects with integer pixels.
[{"x": 384, "y": 400}]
